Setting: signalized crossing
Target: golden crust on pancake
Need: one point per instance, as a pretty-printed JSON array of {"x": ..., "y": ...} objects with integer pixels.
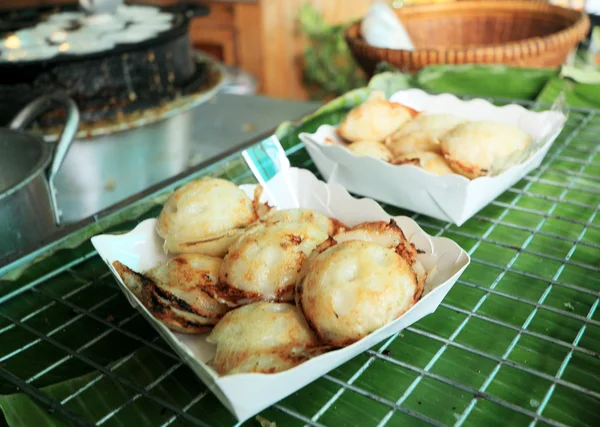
[
  {"x": 472, "y": 149},
  {"x": 174, "y": 292},
  {"x": 262, "y": 337},
  {"x": 205, "y": 216},
  {"x": 353, "y": 288},
  {"x": 186, "y": 278},
  {"x": 374, "y": 119},
  {"x": 423, "y": 133},
  {"x": 372, "y": 149},
  {"x": 432, "y": 162},
  {"x": 304, "y": 216},
  {"x": 264, "y": 262},
  {"x": 383, "y": 233},
  {"x": 133, "y": 281}
]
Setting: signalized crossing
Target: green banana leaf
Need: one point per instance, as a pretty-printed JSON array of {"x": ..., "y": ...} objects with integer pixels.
[
  {"x": 144, "y": 368},
  {"x": 499, "y": 81},
  {"x": 576, "y": 94},
  {"x": 475, "y": 80},
  {"x": 485, "y": 80},
  {"x": 480, "y": 80},
  {"x": 129, "y": 347},
  {"x": 588, "y": 74}
]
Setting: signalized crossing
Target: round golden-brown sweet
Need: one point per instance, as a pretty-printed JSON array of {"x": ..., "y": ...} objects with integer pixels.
[
  {"x": 262, "y": 337},
  {"x": 383, "y": 233},
  {"x": 374, "y": 119},
  {"x": 175, "y": 291},
  {"x": 472, "y": 149},
  {"x": 205, "y": 216},
  {"x": 432, "y": 162},
  {"x": 422, "y": 133},
  {"x": 353, "y": 288},
  {"x": 304, "y": 216},
  {"x": 372, "y": 149},
  {"x": 184, "y": 278},
  {"x": 264, "y": 262}
]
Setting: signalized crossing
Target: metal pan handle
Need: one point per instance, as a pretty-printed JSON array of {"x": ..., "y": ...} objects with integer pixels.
[{"x": 32, "y": 111}]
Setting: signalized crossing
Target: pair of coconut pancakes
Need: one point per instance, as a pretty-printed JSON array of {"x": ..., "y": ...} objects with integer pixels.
[{"x": 273, "y": 287}]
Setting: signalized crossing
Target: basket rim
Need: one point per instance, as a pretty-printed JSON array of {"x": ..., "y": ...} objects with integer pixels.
[{"x": 534, "y": 45}]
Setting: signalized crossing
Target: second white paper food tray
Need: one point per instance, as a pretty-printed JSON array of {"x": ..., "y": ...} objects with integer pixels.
[
  {"x": 452, "y": 198},
  {"x": 247, "y": 394}
]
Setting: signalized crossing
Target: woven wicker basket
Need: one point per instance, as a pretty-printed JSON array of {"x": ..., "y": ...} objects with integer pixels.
[{"x": 511, "y": 32}]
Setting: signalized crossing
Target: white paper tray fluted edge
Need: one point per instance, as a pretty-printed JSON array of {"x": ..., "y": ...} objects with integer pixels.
[
  {"x": 247, "y": 394},
  {"x": 453, "y": 197}
]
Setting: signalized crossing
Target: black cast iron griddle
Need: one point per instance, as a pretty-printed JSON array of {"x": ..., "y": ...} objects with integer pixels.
[{"x": 105, "y": 84}]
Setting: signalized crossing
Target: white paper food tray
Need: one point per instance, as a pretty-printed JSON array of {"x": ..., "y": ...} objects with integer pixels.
[
  {"x": 452, "y": 198},
  {"x": 247, "y": 394}
]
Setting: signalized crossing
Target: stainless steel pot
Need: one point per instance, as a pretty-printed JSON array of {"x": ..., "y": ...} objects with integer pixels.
[{"x": 28, "y": 165}]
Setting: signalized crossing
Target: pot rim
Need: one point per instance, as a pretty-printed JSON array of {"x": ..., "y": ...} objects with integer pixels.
[{"x": 38, "y": 168}]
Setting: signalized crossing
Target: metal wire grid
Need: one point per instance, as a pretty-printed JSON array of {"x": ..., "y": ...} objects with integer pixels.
[{"x": 41, "y": 289}]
